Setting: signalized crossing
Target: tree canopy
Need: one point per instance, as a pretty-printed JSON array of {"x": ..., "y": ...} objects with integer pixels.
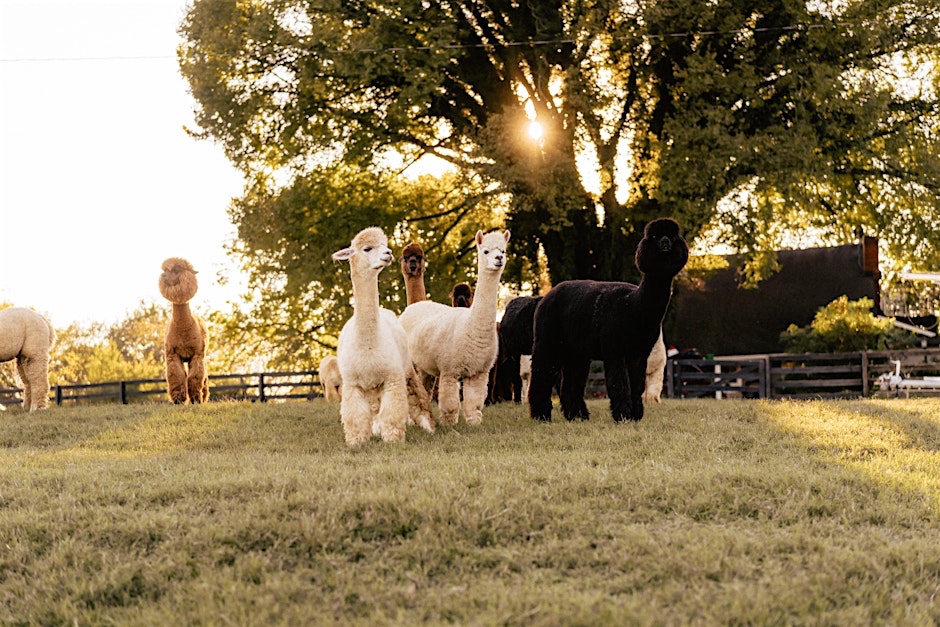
[{"x": 742, "y": 119}]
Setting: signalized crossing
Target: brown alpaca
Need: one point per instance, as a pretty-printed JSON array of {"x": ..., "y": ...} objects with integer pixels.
[
  {"x": 413, "y": 263},
  {"x": 461, "y": 295},
  {"x": 186, "y": 338}
]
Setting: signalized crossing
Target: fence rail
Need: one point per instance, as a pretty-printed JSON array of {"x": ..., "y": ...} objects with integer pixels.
[
  {"x": 783, "y": 376},
  {"x": 255, "y": 387},
  {"x": 798, "y": 376}
]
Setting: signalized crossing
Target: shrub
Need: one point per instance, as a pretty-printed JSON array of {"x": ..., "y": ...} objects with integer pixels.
[{"x": 845, "y": 326}]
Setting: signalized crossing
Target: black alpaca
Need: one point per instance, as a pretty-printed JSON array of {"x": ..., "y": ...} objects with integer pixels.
[
  {"x": 618, "y": 323},
  {"x": 515, "y": 340}
]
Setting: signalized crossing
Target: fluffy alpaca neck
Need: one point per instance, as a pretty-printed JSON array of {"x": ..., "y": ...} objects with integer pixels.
[
  {"x": 653, "y": 294},
  {"x": 365, "y": 302},
  {"x": 483, "y": 307},
  {"x": 183, "y": 315},
  {"x": 414, "y": 288}
]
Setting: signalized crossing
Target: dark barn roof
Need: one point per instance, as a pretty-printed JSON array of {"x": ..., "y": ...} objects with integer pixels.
[{"x": 718, "y": 316}]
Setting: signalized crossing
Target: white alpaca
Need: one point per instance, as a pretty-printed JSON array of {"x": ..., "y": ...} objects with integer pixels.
[
  {"x": 28, "y": 337},
  {"x": 460, "y": 343},
  {"x": 379, "y": 382},
  {"x": 655, "y": 369},
  {"x": 330, "y": 379}
]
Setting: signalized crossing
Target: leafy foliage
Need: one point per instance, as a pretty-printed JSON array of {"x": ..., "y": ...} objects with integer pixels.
[
  {"x": 845, "y": 326},
  {"x": 745, "y": 120}
]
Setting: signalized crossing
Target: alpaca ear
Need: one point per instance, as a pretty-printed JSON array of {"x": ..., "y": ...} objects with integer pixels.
[
  {"x": 479, "y": 237},
  {"x": 343, "y": 255},
  {"x": 507, "y": 235}
]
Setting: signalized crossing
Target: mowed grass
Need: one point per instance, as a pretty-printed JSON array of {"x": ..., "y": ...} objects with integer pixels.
[{"x": 705, "y": 512}]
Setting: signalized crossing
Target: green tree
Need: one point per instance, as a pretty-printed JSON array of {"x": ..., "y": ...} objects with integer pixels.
[{"x": 788, "y": 112}]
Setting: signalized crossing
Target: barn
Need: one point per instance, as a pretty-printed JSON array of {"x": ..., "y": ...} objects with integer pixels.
[{"x": 715, "y": 315}]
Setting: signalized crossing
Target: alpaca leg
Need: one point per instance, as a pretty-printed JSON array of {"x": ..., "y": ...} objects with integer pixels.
[
  {"x": 655, "y": 371},
  {"x": 474, "y": 395},
  {"x": 618, "y": 389},
  {"x": 419, "y": 405},
  {"x": 636, "y": 371},
  {"x": 573, "y": 381},
  {"x": 175, "y": 378},
  {"x": 39, "y": 383},
  {"x": 393, "y": 411},
  {"x": 197, "y": 380},
  {"x": 21, "y": 362},
  {"x": 356, "y": 415},
  {"x": 448, "y": 398},
  {"x": 544, "y": 374}
]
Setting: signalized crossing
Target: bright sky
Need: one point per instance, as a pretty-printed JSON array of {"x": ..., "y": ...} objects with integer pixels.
[{"x": 99, "y": 182}]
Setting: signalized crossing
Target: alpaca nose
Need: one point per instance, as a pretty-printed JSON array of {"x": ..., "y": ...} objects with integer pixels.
[{"x": 664, "y": 244}]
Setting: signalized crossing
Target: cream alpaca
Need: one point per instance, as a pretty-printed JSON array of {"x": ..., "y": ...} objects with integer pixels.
[
  {"x": 459, "y": 343},
  {"x": 380, "y": 388},
  {"x": 655, "y": 368},
  {"x": 186, "y": 337},
  {"x": 330, "y": 379},
  {"x": 28, "y": 337}
]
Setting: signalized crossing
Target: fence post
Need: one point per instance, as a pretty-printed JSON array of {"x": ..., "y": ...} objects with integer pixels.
[
  {"x": 261, "y": 396},
  {"x": 58, "y": 395},
  {"x": 670, "y": 373},
  {"x": 864, "y": 374},
  {"x": 122, "y": 392}
]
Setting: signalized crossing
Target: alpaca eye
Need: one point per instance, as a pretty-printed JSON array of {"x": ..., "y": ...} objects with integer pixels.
[{"x": 368, "y": 249}]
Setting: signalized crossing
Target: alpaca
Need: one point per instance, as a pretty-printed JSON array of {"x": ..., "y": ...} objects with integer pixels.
[
  {"x": 525, "y": 373},
  {"x": 515, "y": 340},
  {"x": 413, "y": 263},
  {"x": 186, "y": 337},
  {"x": 330, "y": 379},
  {"x": 655, "y": 370},
  {"x": 618, "y": 323},
  {"x": 461, "y": 295},
  {"x": 459, "y": 344},
  {"x": 381, "y": 390},
  {"x": 28, "y": 337}
]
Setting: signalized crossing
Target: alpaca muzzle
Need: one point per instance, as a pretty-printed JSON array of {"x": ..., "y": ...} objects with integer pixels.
[{"x": 664, "y": 244}]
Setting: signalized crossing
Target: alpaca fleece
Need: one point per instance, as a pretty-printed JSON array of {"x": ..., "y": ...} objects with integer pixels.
[
  {"x": 413, "y": 264},
  {"x": 28, "y": 337},
  {"x": 186, "y": 338},
  {"x": 330, "y": 379},
  {"x": 459, "y": 344},
  {"x": 461, "y": 295},
  {"x": 381, "y": 391},
  {"x": 618, "y": 323}
]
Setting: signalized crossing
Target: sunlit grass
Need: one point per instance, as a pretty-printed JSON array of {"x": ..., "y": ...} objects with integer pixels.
[{"x": 705, "y": 512}]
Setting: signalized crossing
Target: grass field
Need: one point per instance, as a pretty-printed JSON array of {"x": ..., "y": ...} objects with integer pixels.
[{"x": 705, "y": 512}]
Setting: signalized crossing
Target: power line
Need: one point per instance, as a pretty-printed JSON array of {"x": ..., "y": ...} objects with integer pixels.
[{"x": 508, "y": 44}]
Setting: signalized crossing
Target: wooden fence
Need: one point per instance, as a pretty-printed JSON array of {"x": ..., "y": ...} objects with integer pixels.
[
  {"x": 257, "y": 387},
  {"x": 781, "y": 376},
  {"x": 797, "y": 376}
]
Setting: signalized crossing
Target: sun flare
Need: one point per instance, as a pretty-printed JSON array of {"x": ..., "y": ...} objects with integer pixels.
[{"x": 535, "y": 131}]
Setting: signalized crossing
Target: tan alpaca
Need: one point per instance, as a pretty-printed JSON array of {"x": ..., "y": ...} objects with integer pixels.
[
  {"x": 459, "y": 344},
  {"x": 28, "y": 337},
  {"x": 381, "y": 391},
  {"x": 413, "y": 263},
  {"x": 186, "y": 337},
  {"x": 330, "y": 379}
]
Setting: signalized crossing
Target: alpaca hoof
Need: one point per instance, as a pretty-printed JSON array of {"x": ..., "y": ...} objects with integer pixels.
[
  {"x": 542, "y": 417},
  {"x": 425, "y": 422},
  {"x": 448, "y": 419},
  {"x": 474, "y": 418}
]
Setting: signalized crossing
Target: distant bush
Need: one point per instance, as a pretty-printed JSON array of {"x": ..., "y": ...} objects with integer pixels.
[{"x": 845, "y": 326}]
